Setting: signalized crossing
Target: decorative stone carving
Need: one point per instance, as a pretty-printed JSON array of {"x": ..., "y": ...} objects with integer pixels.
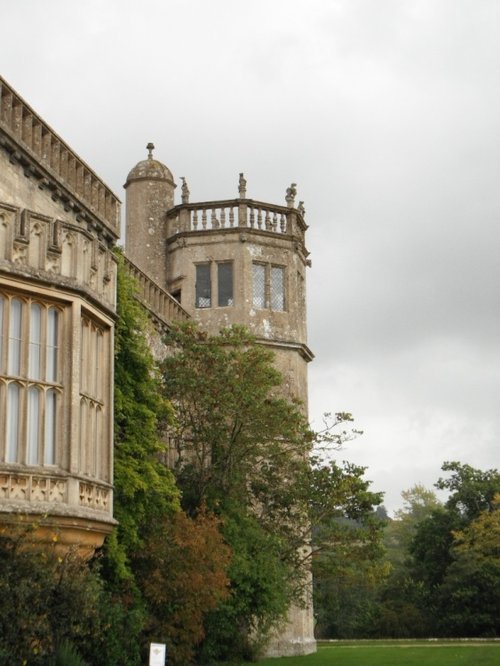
[
  {"x": 94, "y": 496},
  {"x": 184, "y": 191},
  {"x": 242, "y": 187},
  {"x": 18, "y": 489},
  {"x": 33, "y": 488},
  {"x": 19, "y": 254},
  {"x": 291, "y": 193},
  {"x": 53, "y": 264}
]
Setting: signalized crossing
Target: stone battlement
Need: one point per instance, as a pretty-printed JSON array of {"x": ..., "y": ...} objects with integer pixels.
[{"x": 47, "y": 158}]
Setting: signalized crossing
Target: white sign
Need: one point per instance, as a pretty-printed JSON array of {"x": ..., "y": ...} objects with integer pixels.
[{"x": 157, "y": 654}]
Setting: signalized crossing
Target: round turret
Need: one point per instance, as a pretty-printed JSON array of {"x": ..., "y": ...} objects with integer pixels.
[{"x": 150, "y": 194}]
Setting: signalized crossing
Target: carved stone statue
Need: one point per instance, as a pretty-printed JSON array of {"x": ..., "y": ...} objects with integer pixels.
[
  {"x": 301, "y": 208},
  {"x": 291, "y": 193},
  {"x": 184, "y": 191}
]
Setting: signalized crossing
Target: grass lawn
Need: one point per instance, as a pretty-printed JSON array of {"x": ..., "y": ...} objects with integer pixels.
[{"x": 397, "y": 653}]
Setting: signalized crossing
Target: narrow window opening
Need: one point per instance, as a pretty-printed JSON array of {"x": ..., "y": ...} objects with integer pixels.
[
  {"x": 277, "y": 288},
  {"x": 203, "y": 286},
  {"x": 52, "y": 344},
  {"x": 12, "y": 423},
  {"x": 1, "y": 331},
  {"x": 15, "y": 337},
  {"x": 225, "y": 284},
  {"x": 49, "y": 454},
  {"x": 35, "y": 341},
  {"x": 33, "y": 425}
]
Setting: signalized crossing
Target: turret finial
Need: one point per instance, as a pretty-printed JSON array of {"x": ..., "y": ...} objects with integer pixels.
[
  {"x": 150, "y": 147},
  {"x": 242, "y": 187}
]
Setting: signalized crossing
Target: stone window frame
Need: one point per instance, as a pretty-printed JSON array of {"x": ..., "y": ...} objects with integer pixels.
[{"x": 31, "y": 385}]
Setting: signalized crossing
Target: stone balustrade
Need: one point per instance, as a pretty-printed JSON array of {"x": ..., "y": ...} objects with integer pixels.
[
  {"x": 236, "y": 214},
  {"x": 159, "y": 302},
  {"x": 54, "y": 164}
]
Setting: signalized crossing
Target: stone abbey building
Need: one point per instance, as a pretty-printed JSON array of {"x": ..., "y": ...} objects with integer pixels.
[{"x": 236, "y": 261}]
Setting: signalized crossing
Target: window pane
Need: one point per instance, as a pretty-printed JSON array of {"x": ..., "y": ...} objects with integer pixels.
[
  {"x": 11, "y": 454},
  {"x": 15, "y": 337},
  {"x": 277, "y": 288},
  {"x": 98, "y": 442},
  {"x": 85, "y": 334},
  {"x": 1, "y": 331},
  {"x": 259, "y": 285},
  {"x": 33, "y": 425},
  {"x": 35, "y": 339},
  {"x": 203, "y": 286},
  {"x": 225, "y": 284},
  {"x": 52, "y": 342},
  {"x": 50, "y": 428},
  {"x": 97, "y": 364}
]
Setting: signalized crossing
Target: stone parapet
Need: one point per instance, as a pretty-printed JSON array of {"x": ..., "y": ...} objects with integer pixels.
[
  {"x": 159, "y": 303},
  {"x": 236, "y": 214},
  {"x": 45, "y": 157}
]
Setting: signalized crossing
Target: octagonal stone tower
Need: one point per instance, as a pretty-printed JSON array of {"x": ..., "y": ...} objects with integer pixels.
[{"x": 236, "y": 261}]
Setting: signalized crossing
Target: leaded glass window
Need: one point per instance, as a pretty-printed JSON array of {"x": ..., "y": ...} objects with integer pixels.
[
  {"x": 259, "y": 285},
  {"x": 225, "y": 284},
  {"x": 277, "y": 288},
  {"x": 203, "y": 286},
  {"x": 268, "y": 286}
]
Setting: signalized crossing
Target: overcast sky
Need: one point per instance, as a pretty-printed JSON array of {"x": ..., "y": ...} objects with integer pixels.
[{"x": 387, "y": 116}]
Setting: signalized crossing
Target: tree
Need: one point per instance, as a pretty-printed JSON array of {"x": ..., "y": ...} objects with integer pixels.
[
  {"x": 472, "y": 490},
  {"x": 182, "y": 572},
  {"x": 418, "y": 503},
  {"x": 54, "y": 603},
  {"x": 231, "y": 423},
  {"x": 469, "y": 597},
  {"x": 452, "y": 558},
  {"x": 244, "y": 452}
]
